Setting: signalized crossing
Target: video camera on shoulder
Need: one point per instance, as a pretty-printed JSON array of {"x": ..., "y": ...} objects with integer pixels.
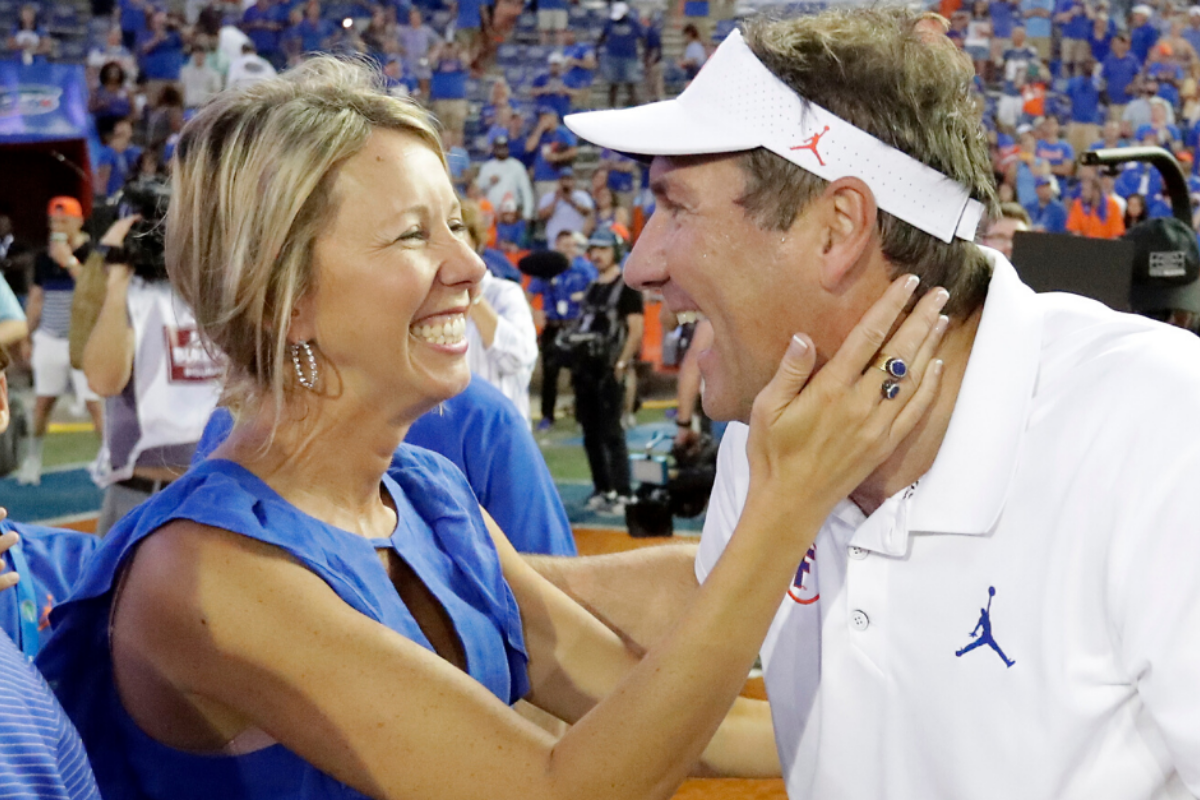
[{"x": 145, "y": 246}]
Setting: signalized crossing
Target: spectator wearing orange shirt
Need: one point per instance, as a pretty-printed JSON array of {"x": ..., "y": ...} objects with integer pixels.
[{"x": 1094, "y": 214}]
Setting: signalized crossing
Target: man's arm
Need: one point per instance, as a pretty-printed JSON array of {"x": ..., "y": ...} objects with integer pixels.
[
  {"x": 638, "y": 594},
  {"x": 108, "y": 354},
  {"x": 633, "y": 343}
]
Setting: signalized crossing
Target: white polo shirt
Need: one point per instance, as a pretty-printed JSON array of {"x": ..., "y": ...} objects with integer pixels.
[{"x": 1067, "y": 484}]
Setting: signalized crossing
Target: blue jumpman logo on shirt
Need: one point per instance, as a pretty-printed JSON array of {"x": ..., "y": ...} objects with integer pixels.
[{"x": 985, "y": 625}]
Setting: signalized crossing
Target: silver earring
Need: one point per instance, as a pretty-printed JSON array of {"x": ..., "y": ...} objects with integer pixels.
[{"x": 309, "y": 382}]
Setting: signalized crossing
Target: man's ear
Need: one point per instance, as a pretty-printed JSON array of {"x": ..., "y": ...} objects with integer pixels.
[
  {"x": 848, "y": 226},
  {"x": 4, "y": 416}
]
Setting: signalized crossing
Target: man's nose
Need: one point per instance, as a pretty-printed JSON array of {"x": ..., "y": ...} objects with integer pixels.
[{"x": 646, "y": 268}]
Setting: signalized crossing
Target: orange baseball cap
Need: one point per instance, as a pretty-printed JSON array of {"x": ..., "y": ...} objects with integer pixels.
[{"x": 66, "y": 206}]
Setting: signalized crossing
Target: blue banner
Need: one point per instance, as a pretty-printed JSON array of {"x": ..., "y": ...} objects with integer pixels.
[{"x": 42, "y": 102}]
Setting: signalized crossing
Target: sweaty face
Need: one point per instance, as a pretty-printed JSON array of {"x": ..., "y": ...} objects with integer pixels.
[
  {"x": 757, "y": 287},
  {"x": 395, "y": 274}
]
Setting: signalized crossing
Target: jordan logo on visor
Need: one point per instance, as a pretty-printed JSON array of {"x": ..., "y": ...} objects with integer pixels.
[
  {"x": 811, "y": 144},
  {"x": 983, "y": 632}
]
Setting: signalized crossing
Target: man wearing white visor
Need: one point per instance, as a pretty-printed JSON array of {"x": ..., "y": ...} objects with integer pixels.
[{"x": 1010, "y": 606}]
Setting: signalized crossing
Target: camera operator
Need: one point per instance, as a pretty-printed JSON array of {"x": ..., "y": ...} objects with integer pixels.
[
  {"x": 54, "y": 272},
  {"x": 144, "y": 355}
]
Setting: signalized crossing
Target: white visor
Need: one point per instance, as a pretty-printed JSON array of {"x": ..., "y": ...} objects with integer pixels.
[{"x": 737, "y": 104}]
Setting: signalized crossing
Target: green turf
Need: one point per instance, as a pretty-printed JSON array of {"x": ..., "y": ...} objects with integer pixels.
[{"x": 69, "y": 448}]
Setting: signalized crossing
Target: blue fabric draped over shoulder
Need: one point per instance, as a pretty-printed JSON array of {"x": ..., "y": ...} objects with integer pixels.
[{"x": 440, "y": 534}]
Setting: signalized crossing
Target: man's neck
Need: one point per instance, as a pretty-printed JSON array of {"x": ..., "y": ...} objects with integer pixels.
[
  {"x": 916, "y": 453},
  {"x": 609, "y": 275}
]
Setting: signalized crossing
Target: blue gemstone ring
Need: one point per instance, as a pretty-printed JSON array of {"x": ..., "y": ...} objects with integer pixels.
[
  {"x": 892, "y": 366},
  {"x": 890, "y": 390}
]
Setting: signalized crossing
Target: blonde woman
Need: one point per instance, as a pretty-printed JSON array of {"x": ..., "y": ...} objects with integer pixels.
[{"x": 302, "y": 617}]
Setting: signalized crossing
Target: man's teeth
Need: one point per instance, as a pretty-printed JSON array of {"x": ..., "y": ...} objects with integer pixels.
[{"x": 451, "y": 331}]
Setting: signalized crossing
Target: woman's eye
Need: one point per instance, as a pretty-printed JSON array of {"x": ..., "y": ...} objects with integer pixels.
[{"x": 414, "y": 235}]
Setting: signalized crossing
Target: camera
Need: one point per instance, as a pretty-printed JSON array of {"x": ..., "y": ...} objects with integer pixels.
[
  {"x": 145, "y": 246},
  {"x": 677, "y": 485}
]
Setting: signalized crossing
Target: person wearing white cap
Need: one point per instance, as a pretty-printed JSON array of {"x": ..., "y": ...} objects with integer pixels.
[
  {"x": 1007, "y": 607},
  {"x": 1142, "y": 33},
  {"x": 618, "y": 45}
]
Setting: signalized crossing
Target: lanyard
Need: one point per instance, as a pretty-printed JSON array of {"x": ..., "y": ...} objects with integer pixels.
[{"x": 28, "y": 638}]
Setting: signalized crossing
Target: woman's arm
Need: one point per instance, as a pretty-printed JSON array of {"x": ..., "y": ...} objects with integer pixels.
[
  {"x": 507, "y": 329},
  {"x": 108, "y": 354}
]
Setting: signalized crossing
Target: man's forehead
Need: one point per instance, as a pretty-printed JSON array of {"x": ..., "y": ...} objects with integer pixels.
[{"x": 684, "y": 175}]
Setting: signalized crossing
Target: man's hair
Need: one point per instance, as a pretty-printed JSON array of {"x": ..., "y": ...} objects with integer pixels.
[
  {"x": 877, "y": 69},
  {"x": 1014, "y": 211}
]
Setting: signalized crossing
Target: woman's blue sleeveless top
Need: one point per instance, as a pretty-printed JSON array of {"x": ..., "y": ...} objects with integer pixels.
[{"x": 440, "y": 534}]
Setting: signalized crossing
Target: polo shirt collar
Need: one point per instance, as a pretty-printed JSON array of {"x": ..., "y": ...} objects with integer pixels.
[{"x": 965, "y": 489}]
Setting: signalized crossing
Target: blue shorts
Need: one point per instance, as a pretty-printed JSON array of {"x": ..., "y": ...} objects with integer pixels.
[{"x": 621, "y": 70}]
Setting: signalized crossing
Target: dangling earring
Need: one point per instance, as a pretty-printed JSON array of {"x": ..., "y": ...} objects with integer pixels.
[{"x": 309, "y": 382}]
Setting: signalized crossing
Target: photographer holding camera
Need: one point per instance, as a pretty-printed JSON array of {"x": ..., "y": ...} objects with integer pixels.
[{"x": 144, "y": 355}]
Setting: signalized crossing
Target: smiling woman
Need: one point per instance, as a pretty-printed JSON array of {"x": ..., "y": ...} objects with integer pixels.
[{"x": 312, "y": 613}]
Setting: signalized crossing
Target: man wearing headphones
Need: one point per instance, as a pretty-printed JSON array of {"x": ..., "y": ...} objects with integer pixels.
[{"x": 613, "y": 311}]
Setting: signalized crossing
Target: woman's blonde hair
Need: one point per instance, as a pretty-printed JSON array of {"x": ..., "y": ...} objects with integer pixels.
[{"x": 253, "y": 179}]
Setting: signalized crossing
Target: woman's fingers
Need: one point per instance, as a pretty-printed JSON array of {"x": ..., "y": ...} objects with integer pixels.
[
  {"x": 870, "y": 333},
  {"x": 908, "y": 346},
  {"x": 923, "y": 369},
  {"x": 794, "y": 371}
]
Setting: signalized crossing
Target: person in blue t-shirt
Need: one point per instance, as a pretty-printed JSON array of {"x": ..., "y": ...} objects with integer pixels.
[
  {"x": 1100, "y": 37},
  {"x": 484, "y": 435},
  {"x": 312, "y": 33},
  {"x": 1118, "y": 71},
  {"x": 1191, "y": 32},
  {"x": 133, "y": 22},
  {"x": 1050, "y": 148},
  {"x": 1166, "y": 72},
  {"x": 1071, "y": 16},
  {"x": 1083, "y": 92},
  {"x": 264, "y": 22},
  {"x": 561, "y": 296},
  {"x": 160, "y": 53},
  {"x": 1036, "y": 17},
  {"x": 1047, "y": 214},
  {"x": 620, "y": 175},
  {"x": 1142, "y": 33},
  {"x": 618, "y": 44},
  {"x": 448, "y": 86},
  {"x": 1005, "y": 15},
  {"x": 511, "y": 229},
  {"x": 581, "y": 67},
  {"x": 116, "y": 157},
  {"x": 550, "y": 88},
  {"x": 550, "y": 147}
]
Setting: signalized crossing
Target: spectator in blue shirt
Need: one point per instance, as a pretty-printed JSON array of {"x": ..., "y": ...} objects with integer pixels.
[
  {"x": 550, "y": 88},
  {"x": 160, "y": 53},
  {"x": 1050, "y": 148},
  {"x": 561, "y": 296},
  {"x": 312, "y": 33},
  {"x": 1100, "y": 37},
  {"x": 511, "y": 229},
  {"x": 1162, "y": 67},
  {"x": 1005, "y": 14},
  {"x": 1142, "y": 34},
  {"x": 1036, "y": 15},
  {"x": 1118, "y": 72},
  {"x": 448, "y": 86},
  {"x": 1083, "y": 92},
  {"x": 1047, "y": 214},
  {"x": 1110, "y": 137},
  {"x": 652, "y": 59},
  {"x": 551, "y": 147},
  {"x": 581, "y": 68},
  {"x": 133, "y": 22},
  {"x": 116, "y": 158},
  {"x": 618, "y": 44},
  {"x": 1072, "y": 19},
  {"x": 264, "y": 22}
]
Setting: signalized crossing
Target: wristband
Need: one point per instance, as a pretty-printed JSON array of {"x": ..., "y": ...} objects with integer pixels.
[{"x": 683, "y": 424}]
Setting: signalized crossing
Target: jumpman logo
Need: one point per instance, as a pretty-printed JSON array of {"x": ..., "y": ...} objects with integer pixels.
[
  {"x": 983, "y": 630},
  {"x": 811, "y": 144}
]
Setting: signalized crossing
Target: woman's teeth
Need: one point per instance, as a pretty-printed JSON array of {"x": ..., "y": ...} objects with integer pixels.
[{"x": 451, "y": 331}]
